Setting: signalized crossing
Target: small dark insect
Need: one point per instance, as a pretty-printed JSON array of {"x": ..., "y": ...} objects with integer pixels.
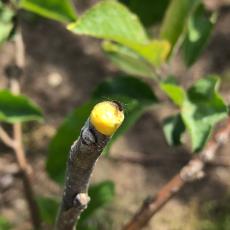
[{"x": 119, "y": 105}]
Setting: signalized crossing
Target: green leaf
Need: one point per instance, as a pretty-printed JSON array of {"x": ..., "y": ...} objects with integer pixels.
[
  {"x": 175, "y": 20},
  {"x": 127, "y": 60},
  {"x": 48, "y": 208},
  {"x": 155, "y": 51},
  {"x": 67, "y": 133},
  {"x": 174, "y": 92},
  {"x": 111, "y": 20},
  {"x": 150, "y": 12},
  {"x": 4, "y": 224},
  {"x": 202, "y": 109},
  {"x": 100, "y": 194},
  {"x": 6, "y": 22},
  {"x": 60, "y": 10},
  {"x": 17, "y": 108},
  {"x": 200, "y": 27},
  {"x": 173, "y": 128},
  {"x": 133, "y": 93}
]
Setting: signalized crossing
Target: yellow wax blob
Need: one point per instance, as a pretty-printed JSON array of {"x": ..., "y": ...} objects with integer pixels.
[{"x": 106, "y": 117}]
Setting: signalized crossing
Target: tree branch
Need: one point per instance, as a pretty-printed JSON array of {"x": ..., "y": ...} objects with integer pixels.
[
  {"x": 192, "y": 171},
  {"x": 82, "y": 158},
  {"x": 25, "y": 169}
]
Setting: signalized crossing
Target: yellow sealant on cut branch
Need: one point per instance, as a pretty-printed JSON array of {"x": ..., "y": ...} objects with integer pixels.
[{"x": 107, "y": 117}]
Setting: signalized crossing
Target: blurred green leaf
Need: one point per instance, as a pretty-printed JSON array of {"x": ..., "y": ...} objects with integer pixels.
[
  {"x": 203, "y": 108},
  {"x": 60, "y": 10},
  {"x": 200, "y": 27},
  {"x": 150, "y": 12},
  {"x": 67, "y": 133},
  {"x": 4, "y": 224},
  {"x": 111, "y": 20},
  {"x": 48, "y": 209},
  {"x": 175, "y": 20},
  {"x": 173, "y": 128},
  {"x": 100, "y": 194},
  {"x": 17, "y": 108},
  {"x": 175, "y": 92},
  {"x": 155, "y": 51},
  {"x": 6, "y": 22},
  {"x": 135, "y": 95},
  {"x": 127, "y": 60}
]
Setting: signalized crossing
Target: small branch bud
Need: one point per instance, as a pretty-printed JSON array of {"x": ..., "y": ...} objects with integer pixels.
[{"x": 81, "y": 199}]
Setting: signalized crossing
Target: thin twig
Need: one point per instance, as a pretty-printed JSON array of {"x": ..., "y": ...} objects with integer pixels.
[
  {"x": 6, "y": 139},
  {"x": 18, "y": 147},
  {"x": 192, "y": 171}
]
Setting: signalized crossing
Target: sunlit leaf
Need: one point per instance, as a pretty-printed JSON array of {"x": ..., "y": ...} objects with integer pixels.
[
  {"x": 111, "y": 20},
  {"x": 175, "y": 92}
]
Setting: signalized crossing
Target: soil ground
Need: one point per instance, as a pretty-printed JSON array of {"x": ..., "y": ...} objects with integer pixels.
[{"x": 61, "y": 72}]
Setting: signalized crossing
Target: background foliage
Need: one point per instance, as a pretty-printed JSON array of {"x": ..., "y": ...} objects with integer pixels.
[{"x": 128, "y": 40}]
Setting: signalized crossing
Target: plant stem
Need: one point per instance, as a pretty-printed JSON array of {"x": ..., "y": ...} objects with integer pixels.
[
  {"x": 18, "y": 147},
  {"x": 191, "y": 172},
  {"x": 26, "y": 176},
  {"x": 7, "y": 140},
  {"x": 82, "y": 158}
]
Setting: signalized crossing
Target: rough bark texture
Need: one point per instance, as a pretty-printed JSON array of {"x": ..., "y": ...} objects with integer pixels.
[{"x": 82, "y": 158}]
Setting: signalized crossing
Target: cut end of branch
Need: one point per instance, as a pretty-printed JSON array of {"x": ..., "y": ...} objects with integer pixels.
[
  {"x": 83, "y": 199},
  {"x": 107, "y": 117}
]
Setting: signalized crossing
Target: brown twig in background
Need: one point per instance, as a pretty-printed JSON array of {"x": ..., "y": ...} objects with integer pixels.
[
  {"x": 14, "y": 73},
  {"x": 7, "y": 140},
  {"x": 17, "y": 135},
  {"x": 192, "y": 171}
]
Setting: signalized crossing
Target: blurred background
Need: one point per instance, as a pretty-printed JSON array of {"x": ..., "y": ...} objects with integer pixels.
[{"x": 61, "y": 71}]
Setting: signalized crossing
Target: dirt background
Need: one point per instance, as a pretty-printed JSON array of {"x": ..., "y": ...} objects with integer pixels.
[{"x": 61, "y": 72}]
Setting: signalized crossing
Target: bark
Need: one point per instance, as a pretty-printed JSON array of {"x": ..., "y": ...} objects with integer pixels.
[{"x": 82, "y": 158}]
